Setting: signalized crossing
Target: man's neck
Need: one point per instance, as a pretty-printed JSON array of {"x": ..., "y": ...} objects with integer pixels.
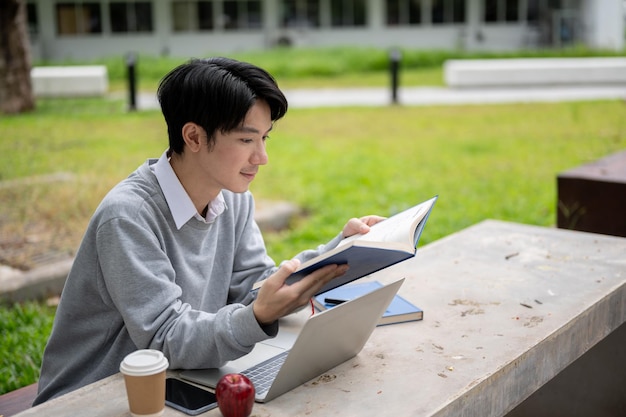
[{"x": 197, "y": 192}]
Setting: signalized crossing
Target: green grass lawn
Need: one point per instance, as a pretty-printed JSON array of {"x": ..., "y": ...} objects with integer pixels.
[
  {"x": 24, "y": 330},
  {"x": 493, "y": 161}
]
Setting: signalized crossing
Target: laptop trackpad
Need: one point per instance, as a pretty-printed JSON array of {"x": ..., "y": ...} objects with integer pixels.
[{"x": 209, "y": 377}]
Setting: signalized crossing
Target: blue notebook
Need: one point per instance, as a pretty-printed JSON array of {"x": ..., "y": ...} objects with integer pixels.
[{"x": 399, "y": 311}]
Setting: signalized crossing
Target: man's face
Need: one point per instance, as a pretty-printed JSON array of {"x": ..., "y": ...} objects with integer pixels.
[{"x": 235, "y": 157}]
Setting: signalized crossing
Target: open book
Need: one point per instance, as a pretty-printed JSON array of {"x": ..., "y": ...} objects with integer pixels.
[{"x": 388, "y": 242}]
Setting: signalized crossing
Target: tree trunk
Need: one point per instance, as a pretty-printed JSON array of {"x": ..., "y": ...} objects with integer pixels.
[{"x": 16, "y": 91}]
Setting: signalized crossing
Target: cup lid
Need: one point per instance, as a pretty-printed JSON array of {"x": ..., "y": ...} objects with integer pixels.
[{"x": 144, "y": 362}]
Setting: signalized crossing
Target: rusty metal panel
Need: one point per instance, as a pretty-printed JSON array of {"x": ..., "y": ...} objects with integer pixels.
[{"x": 592, "y": 197}]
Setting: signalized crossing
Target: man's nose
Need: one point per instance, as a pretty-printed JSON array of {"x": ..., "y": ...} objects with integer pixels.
[{"x": 260, "y": 155}]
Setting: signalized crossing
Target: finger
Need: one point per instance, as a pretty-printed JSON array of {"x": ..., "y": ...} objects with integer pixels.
[
  {"x": 317, "y": 280},
  {"x": 357, "y": 226},
  {"x": 316, "y": 277},
  {"x": 354, "y": 223},
  {"x": 269, "y": 303},
  {"x": 278, "y": 279},
  {"x": 323, "y": 276},
  {"x": 290, "y": 266},
  {"x": 372, "y": 219}
]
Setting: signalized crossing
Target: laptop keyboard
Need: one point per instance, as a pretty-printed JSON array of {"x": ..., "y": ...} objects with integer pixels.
[{"x": 262, "y": 375}]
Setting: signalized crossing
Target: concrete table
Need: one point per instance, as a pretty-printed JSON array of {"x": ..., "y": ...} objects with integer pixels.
[{"x": 506, "y": 308}]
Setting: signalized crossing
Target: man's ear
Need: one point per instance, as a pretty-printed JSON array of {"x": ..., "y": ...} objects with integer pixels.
[{"x": 193, "y": 135}]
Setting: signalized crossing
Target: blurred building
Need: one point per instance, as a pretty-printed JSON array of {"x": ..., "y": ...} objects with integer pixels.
[{"x": 63, "y": 29}]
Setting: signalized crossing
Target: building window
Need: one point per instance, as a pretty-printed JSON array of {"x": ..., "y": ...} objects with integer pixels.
[
  {"x": 242, "y": 14},
  {"x": 192, "y": 16},
  {"x": 447, "y": 11},
  {"x": 458, "y": 11},
  {"x": 300, "y": 13},
  {"x": 491, "y": 11},
  {"x": 131, "y": 16},
  {"x": 404, "y": 12},
  {"x": 532, "y": 15},
  {"x": 511, "y": 10},
  {"x": 501, "y": 11},
  {"x": 77, "y": 18},
  {"x": 348, "y": 12},
  {"x": 32, "y": 19}
]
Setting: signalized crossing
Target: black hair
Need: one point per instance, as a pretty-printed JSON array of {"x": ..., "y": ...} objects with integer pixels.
[{"x": 215, "y": 93}]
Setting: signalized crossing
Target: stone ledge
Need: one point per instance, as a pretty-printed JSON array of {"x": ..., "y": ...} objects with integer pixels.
[
  {"x": 37, "y": 284},
  {"x": 273, "y": 216},
  {"x": 70, "y": 81},
  {"x": 524, "y": 72}
]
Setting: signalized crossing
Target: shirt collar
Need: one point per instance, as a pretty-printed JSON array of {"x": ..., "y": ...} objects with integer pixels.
[{"x": 179, "y": 202}]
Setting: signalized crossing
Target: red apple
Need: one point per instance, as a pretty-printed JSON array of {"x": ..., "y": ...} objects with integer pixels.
[{"x": 235, "y": 395}]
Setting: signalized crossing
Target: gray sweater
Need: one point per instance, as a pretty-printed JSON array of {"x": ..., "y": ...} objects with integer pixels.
[{"x": 138, "y": 282}]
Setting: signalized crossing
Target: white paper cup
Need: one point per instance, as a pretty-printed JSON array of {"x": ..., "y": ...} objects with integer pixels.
[{"x": 144, "y": 375}]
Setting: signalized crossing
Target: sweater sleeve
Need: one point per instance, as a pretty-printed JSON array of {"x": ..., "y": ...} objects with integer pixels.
[{"x": 140, "y": 282}]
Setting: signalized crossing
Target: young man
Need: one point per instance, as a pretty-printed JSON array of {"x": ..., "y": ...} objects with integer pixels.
[{"x": 169, "y": 258}]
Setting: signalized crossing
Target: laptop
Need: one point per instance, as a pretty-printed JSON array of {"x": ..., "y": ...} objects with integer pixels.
[{"x": 296, "y": 356}]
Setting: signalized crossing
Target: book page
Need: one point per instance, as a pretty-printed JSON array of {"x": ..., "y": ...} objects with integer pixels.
[{"x": 397, "y": 228}]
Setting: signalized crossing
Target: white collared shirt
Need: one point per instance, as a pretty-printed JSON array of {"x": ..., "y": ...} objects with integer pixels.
[{"x": 179, "y": 202}]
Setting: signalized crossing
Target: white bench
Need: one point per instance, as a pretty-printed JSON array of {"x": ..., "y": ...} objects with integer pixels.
[
  {"x": 70, "y": 81},
  {"x": 522, "y": 72}
]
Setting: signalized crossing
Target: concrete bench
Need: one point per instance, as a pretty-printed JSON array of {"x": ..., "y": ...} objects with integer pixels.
[
  {"x": 17, "y": 401},
  {"x": 524, "y": 72},
  {"x": 70, "y": 81}
]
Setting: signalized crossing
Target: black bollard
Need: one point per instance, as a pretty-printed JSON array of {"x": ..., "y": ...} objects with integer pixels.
[
  {"x": 394, "y": 66},
  {"x": 131, "y": 65}
]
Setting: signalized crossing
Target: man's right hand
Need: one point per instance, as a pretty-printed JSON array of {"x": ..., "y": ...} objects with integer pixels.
[{"x": 277, "y": 299}]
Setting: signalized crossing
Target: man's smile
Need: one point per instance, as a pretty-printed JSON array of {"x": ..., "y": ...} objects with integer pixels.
[{"x": 249, "y": 175}]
